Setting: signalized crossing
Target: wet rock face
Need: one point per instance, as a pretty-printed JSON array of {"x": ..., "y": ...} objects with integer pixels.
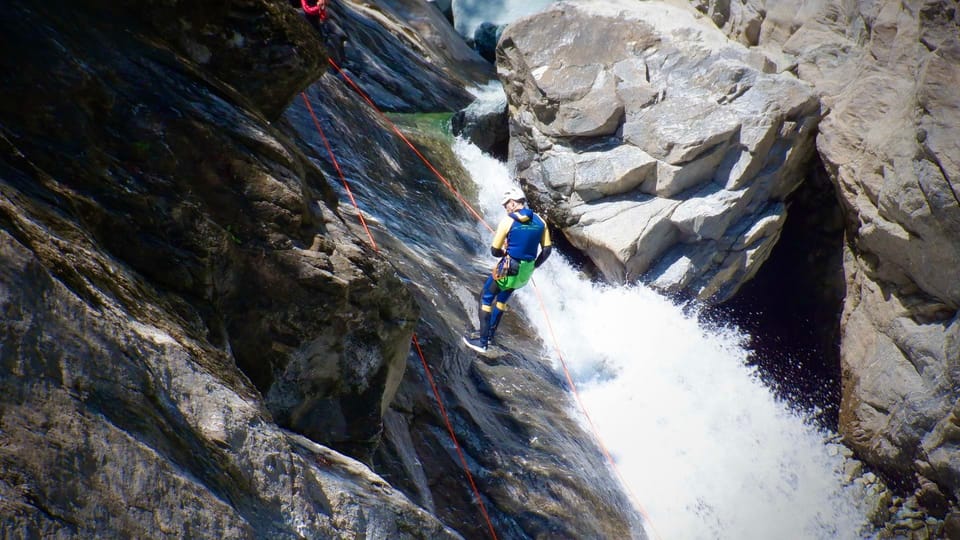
[
  {"x": 404, "y": 54},
  {"x": 181, "y": 294},
  {"x": 260, "y": 49},
  {"x": 485, "y": 123},
  {"x": 228, "y": 234},
  {"x": 664, "y": 150},
  {"x": 156, "y": 235}
]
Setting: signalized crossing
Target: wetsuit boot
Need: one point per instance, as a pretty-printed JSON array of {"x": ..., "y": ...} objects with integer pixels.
[
  {"x": 480, "y": 342},
  {"x": 494, "y": 320}
]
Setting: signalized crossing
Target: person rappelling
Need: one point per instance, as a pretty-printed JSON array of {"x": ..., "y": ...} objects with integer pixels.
[{"x": 522, "y": 241}]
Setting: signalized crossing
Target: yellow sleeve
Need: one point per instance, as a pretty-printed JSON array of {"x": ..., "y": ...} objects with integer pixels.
[
  {"x": 545, "y": 239},
  {"x": 501, "y": 235}
]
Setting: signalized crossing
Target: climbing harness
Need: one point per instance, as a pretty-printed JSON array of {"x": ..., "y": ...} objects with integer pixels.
[
  {"x": 436, "y": 393},
  {"x": 317, "y": 10},
  {"x": 512, "y": 273},
  {"x": 506, "y": 266}
]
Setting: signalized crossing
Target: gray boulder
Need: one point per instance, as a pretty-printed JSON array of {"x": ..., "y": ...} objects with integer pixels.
[
  {"x": 653, "y": 140},
  {"x": 484, "y": 122},
  {"x": 485, "y": 39}
]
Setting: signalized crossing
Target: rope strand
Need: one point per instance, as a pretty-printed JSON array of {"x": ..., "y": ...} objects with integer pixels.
[
  {"x": 403, "y": 137},
  {"x": 336, "y": 165},
  {"x": 453, "y": 436},
  {"x": 416, "y": 344}
]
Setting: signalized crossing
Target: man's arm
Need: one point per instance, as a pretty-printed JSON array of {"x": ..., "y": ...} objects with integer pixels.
[
  {"x": 543, "y": 256},
  {"x": 500, "y": 237},
  {"x": 546, "y": 246}
]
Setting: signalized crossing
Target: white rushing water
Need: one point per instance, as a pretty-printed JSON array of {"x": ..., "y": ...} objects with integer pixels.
[
  {"x": 707, "y": 450},
  {"x": 469, "y": 14}
]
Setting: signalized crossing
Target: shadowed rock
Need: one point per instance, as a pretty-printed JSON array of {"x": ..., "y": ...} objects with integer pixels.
[
  {"x": 182, "y": 292},
  {"x": 158, "y": 234}
]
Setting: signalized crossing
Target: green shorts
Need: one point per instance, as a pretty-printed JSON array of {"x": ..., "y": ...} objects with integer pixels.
[{"x": 518, "y": 274}]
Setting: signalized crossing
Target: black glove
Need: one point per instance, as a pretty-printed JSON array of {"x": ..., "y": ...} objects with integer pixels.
[{"x": 543, "y": 256}]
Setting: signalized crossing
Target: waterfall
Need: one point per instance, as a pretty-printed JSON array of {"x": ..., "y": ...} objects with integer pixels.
[
  {"x": 706, "y": 448},
  {"x": 469, "y": 14}
]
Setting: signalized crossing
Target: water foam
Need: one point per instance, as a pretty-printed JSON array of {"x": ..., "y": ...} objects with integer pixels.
[
  {"x": 704, "y": 445},
  {"x": 469, "y": 14}
]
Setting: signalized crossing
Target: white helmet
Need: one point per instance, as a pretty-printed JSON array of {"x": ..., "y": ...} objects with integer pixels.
[{"x": 513, "y": 194}]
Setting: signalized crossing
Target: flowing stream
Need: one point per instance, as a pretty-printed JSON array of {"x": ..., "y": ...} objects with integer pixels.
[
  {"x": 705, "y": 447},
  {"x": 469, "y": 14}
]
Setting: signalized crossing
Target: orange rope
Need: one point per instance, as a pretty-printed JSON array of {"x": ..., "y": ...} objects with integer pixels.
[
  {"x": 412, "y": 147},
  {"x": 426, "y": 368},
  {"x": 453, "y": 436},
  {"x": 336, "y": 165}
]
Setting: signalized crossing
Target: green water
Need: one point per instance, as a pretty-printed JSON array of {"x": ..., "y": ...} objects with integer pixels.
[
  {"x": 428, "y": 124},
  {"x": 430, "y": 134}
]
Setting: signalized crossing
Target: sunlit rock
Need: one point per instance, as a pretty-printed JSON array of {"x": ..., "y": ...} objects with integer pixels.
[{"x": 687, "y": 116}]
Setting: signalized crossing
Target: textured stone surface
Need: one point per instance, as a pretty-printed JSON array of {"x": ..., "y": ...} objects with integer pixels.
[
  {"x": 404, "y": 54},
  {"x": 888, "y": 73},
  {"x": 195, "y": 334},
  {"x": 163, "y": 235},
  {"x": 613, "y": 103},
  {"x": 115, "y": 422}
]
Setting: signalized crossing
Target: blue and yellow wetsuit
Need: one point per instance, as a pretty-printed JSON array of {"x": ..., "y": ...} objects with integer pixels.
[{"x": 522, "y": 240}]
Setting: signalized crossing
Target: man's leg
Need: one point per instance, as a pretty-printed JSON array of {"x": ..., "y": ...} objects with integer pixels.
[
  {"x": 499, "y": 308},
  {"x": 487, "y": 298}
]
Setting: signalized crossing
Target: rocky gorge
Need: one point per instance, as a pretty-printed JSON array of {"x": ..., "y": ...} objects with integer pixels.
[
  {"x": 198, "y": 339},
  {"x": 668, "y": 153}
]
